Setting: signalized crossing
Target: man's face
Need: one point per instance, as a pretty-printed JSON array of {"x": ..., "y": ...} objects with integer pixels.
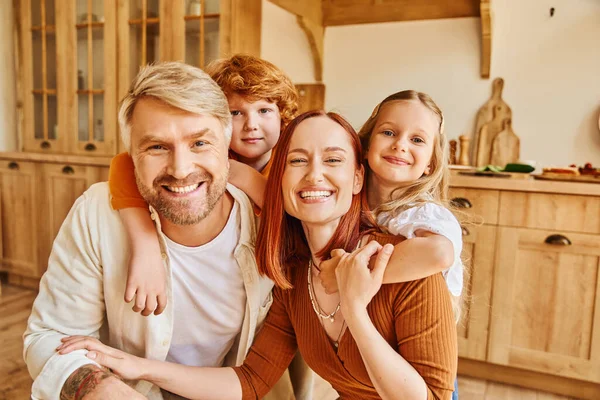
[{"x": 180, "y": 159}]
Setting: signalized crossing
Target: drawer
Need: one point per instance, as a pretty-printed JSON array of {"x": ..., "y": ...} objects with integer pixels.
[
  {"x": 571, "y": 213},
  {"x": 477, "y": 203}
]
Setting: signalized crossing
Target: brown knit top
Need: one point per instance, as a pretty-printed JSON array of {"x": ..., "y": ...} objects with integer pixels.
[{"x": 415, "y": 318}]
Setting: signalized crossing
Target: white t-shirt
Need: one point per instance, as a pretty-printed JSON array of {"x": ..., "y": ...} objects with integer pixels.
[
  {"x": 433, "y": 218},
  {"x": 209, "y": 298}
]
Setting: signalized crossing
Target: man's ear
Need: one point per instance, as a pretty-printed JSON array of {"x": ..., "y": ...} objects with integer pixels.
[{"x": 359, "y": 178}]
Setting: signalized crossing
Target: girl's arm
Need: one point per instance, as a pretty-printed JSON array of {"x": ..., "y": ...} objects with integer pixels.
[
  {"x": 422, "y": 373},
  {"x": 249, "y": 180},
  {"x": 146, "y": 277}
]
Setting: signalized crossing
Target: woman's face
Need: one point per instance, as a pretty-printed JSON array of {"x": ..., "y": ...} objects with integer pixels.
[{"x": 320, "y": 173}]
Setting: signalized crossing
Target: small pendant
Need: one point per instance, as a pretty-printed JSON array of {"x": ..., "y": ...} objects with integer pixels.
[
  {"x": 335, "y": 344},
  {"x": 331, "y": 319}
]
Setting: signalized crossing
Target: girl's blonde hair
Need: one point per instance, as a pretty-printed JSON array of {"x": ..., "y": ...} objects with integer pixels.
[{"x": 432, "y": 187}]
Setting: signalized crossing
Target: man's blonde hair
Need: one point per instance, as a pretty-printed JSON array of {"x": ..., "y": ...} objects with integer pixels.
[{"x": 179, "y": 85}]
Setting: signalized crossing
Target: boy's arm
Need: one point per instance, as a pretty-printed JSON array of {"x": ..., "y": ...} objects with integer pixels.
[{"x": 249, "y": 180}]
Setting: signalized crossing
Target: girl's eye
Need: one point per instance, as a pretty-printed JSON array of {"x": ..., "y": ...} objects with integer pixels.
[
  {"x": 418, "y": 140},
  {"x": 387, "y": 132},
  {"x": 235, "y": 112}
]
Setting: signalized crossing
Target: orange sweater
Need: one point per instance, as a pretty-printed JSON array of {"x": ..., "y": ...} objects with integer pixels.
[
  {"x": 123, "y": 187},
  {"x": 415, "y": 318}
]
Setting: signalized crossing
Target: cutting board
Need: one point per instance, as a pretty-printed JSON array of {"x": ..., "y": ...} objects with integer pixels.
[
  {"x": 494, "y": 108},
  {"x": 505, "y": 146}
]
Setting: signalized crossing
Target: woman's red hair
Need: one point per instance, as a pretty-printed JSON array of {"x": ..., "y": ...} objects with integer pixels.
[{"x": 281, "y": 241}]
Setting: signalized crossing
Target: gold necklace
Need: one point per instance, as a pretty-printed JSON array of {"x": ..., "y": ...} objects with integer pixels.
[{"x": 331, "y": 316}]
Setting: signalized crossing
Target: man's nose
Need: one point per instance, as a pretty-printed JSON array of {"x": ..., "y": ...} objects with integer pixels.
[{"x": 181, "y": 163}]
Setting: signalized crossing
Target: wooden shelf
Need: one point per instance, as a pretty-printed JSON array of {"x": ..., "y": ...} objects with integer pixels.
[
  {"x": 90, "y": 91},
  {"x": 49, "y": 92},
  {"x": 47, "y": 28},
  {"x": 149, "y": 21},
  {"x": 92, "y": 24},
  {"x": 199, "y": 17}
]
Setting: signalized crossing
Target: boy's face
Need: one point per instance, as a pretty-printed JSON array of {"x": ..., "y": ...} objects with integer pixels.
[{"x": 256, "y": 129}]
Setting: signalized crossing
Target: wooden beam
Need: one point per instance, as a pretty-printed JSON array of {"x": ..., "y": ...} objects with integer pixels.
[
  {"x": 349, "y": 12},
  {"x": 310, "y": 18},
  {"x": 315, "y": 34},
  {"x": 486, "y": 38}
]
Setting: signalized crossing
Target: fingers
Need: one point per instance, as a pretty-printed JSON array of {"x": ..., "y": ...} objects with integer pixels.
[
  {"x": 162, "y": 304},
  {"x": 104, "y": 359},
  {"x": 129, "y": 293},
  {"x": 364, "y": 254},
  {"x": 151, "y": 305},
  {"x": 337, "y": 253},
  {"x": 382, "y": 260},
  {"x": 80, "y": 342},
  {"x": 140, "y": 301}
]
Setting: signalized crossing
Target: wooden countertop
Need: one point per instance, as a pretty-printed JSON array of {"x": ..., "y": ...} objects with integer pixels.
[
  {"x": 56, "y": 158},
  {"x": 525, "y": 185}
]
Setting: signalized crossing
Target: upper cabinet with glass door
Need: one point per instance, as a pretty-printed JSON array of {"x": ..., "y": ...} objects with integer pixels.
[
  {"x": 42, "y": 77},
  {"x": 94, "y": 81}
]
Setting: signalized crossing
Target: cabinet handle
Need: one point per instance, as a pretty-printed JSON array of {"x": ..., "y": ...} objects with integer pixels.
[
  {"x": 45, "y": 145},
  {"x": 90, "y": 147},
  {"x": 461, "y": 202},
  {"x": 465, "y": 231},
  {"x": 68, "y": 170},
  {"x": 13, "y": 165},
  {"x": 558, "y": 240}
]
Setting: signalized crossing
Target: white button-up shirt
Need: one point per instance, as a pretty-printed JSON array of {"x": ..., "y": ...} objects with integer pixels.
[{"x": 82, "y": 293}]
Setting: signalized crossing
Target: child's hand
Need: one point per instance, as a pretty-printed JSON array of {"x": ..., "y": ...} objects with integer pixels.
[
  {"x": 146, "y": 282},
  {"x": 327, "y": 274}
]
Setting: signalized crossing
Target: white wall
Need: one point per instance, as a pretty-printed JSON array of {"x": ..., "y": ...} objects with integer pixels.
[
  {"x": 285, "y": 44},
  {"x": 8, "y": 116},
  {"x": 551, "y": 69}
]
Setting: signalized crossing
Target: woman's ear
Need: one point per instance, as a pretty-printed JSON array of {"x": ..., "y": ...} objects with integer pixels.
[
  {"x": 427, "y": 170},
  {"x": 359, "y": 178}
]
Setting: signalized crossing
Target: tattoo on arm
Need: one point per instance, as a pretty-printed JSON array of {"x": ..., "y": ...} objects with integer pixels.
[{"x": 83, "y": 381}]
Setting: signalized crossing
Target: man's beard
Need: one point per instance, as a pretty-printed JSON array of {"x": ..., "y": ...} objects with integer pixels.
[{"x": 182, "y": 211}]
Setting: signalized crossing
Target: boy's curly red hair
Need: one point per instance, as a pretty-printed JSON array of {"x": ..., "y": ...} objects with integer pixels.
[{"x": 256, "y": 79}]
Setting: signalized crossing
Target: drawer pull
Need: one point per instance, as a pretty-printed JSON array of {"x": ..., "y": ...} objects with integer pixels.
[
  {"x": 68, "y": 170},
  {"x": 465, "y": 231},
  {"x": 90, "y": 147},
  {"x": 13, "y": 165},
  {"x": 461, "y": 202},
  {"x": 45, "y": 145},
  {"x": 558, "y": 240}
]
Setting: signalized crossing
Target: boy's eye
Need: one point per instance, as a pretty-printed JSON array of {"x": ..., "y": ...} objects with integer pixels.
[
  {"x": 264, "y": 110},
  {"x": 235, "y": 112}
]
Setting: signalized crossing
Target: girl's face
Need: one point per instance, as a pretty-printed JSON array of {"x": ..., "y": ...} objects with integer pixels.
[
  {"x": 320, "y": 173},
  {"x": 402, "y": 143}
]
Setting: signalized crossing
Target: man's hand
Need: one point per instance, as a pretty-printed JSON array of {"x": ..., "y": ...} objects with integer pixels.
[{"x": 93, "y": 383}]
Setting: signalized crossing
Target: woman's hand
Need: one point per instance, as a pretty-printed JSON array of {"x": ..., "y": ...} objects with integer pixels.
[
  {"x": 356, "y": 282},
  {"x": 123, "y": 364}
]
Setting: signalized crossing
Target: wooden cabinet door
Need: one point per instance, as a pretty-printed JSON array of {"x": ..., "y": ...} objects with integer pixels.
[
  {"x": 478, "y": 256},
  {"x": 43, "y": 75},
  {"x": 62, "y": 185},
  {"x": 20, "y": 202},
  {"x": 92, "y": 85},
  {"x": 546, "y": 303}
]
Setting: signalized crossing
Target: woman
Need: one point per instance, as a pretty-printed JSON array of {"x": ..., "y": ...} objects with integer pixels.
[{"x": 369, "y": 341}]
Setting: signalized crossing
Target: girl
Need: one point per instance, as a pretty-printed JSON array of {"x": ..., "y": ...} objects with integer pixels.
[{"x": 369, "y": 341}]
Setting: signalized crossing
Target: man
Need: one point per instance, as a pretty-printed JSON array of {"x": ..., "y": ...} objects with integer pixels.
[{"x": 176, "y": 124}]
